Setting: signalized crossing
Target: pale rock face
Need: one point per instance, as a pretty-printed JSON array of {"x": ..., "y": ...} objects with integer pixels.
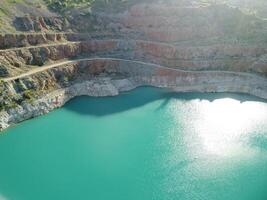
[
  {"x": 53, "y": 100},
  {"x": 123, "y": 85},
  {"x": 160, "y": 45},
  {"x": 4, "y": 120},
  {"x": 211, "y": 57},
  {"x": 138, "y": 75}
]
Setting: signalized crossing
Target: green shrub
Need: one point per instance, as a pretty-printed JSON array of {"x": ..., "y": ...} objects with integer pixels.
[
  {"x": 62, "y": 5},
  {"x": 11, "y": 105},
  {"x": 28, "y": 94}
]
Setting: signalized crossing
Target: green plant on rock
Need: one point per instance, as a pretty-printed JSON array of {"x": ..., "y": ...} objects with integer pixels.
[
  {"x": 1, "y": 85},
  {"x": 28, "y": 94},
  {"x": 11, "y": 105},
  {"x": 2, "y": 107},
  {"x": 63, "y": 5}
]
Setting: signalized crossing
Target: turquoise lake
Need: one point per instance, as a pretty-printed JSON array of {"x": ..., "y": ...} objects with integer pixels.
[{"x": 147, "y": 144}]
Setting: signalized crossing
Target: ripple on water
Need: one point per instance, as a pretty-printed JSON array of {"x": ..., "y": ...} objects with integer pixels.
[{"x": 145, "y": 144}]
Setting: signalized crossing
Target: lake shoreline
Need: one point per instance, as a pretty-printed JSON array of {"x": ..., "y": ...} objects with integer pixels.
[{"x": 103, "y": 88}]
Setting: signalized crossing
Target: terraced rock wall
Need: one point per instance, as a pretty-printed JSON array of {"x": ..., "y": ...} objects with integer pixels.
[
  {"x": 183, "y": 48},
  {"x": 37, "y": 94},
  {"x": 11, "y": 41},
  {"x": 214, "y": 57},
  {"x": 171, "y": 23}
]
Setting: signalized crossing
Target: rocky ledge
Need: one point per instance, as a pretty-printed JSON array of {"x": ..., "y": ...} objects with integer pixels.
[
  {"x": 38, "y": 93},
  {"x": 185, "y": 47}
]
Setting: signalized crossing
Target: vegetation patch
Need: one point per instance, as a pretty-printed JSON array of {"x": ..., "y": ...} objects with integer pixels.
[
  {"x": 64, "y": 5},
  {"x": 28, "y": 94}
]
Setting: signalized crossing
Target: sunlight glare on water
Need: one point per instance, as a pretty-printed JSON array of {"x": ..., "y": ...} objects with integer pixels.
[
  {"x": 225, "y": 125},
  {"x": 222, "y": 128},
  {"x": 145, "y": 144}
]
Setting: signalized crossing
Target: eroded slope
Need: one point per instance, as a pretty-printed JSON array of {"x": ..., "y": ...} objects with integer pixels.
[{"x": 184, "y": 47}]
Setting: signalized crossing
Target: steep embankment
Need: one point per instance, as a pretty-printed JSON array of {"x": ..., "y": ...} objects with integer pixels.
[
  {"x": 43, "y": 90},
  {"x": 239, "y": 58},
  {"x": 181, "y": 47}
]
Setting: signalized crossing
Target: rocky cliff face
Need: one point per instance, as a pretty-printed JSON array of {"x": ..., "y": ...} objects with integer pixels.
[
  {"x": 212, "y": 57},
  {"x": 37, "y": 94},
  {"x": 182, "y": 47},
  {"x": 37, "y": 24}
]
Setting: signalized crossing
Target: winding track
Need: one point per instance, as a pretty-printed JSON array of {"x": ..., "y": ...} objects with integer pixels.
[
  {"x": 44, "y": 68},
  {"x": 63, "y": 63},
  {"x": 39, "y": 46},
  {"x": 174, "y": 45}
]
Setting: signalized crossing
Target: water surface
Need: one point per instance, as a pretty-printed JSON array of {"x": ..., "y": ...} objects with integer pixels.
[{"x": 147, "y": 144}]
